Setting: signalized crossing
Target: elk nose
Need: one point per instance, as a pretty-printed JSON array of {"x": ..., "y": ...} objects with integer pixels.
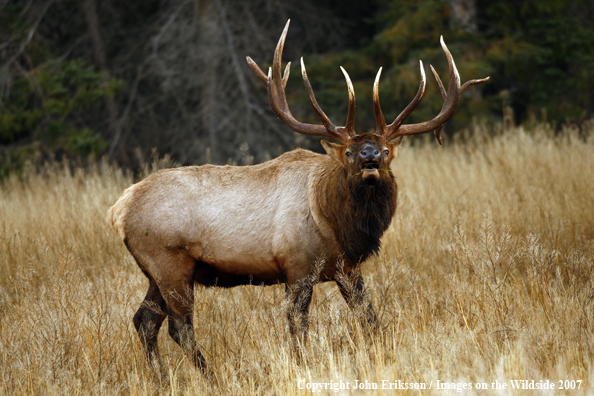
[{"x": 369, "y": 153}]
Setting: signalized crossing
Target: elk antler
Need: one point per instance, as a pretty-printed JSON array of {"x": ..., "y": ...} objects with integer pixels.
[
  {"x": 278, "y": 101},
  {"x": 451, "y": 100}
]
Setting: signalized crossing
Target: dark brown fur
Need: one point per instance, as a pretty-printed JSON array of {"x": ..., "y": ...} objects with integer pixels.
[{"x": 359, "y": 213}]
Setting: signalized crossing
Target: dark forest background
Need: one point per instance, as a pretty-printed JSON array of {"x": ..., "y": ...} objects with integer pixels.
[{"x": 108, "y": 78}]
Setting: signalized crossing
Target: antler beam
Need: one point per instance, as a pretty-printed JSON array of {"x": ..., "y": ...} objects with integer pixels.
[
  {"x": 451, "y": 100},
  {"x": 278, "y": 101}
]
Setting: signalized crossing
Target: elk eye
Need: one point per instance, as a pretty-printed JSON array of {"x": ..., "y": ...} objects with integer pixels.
[
  {"x": 348, "y": 153},
  {"x": 386, "y": 152}
]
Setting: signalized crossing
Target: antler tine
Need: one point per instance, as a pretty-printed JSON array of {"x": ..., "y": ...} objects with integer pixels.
[
  {"x": 278, "y": 100},
  {"x": 380, "y": 121},
  {"x": 472, "y": 82},
  {"x": 257, "y": 69},
  {"x": 437, "y": 132},
  {"x": 381, "y": 126},
  {"x": 263, "y": 75},
  {"x": 413, "y": 104},
  {"x": 275, "y": 85},
  {"x": 350, "y": 121},
  {"x": 286, "y": 74},
  {"x": 451, "y": 100},
  {"x": 443, "y": 95},
  {"x": 314, "y": 103},
  {"x": 441, "y": 87}
]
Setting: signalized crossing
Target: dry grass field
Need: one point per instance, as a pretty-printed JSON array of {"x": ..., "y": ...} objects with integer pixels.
[{"x": 485, "y": 274}]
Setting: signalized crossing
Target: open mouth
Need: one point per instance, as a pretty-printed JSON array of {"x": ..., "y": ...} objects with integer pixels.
[
  {"x": 370, "y": 172},
  {"x": 371, "y": 165}
]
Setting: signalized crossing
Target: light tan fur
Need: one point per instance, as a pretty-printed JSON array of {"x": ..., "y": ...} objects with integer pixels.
[{"x": 252, "y": 220}]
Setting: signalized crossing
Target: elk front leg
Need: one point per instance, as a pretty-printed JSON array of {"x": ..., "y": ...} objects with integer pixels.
[
  {"x": 299, "y": 298},
  {"x": 353, "y": 291}
]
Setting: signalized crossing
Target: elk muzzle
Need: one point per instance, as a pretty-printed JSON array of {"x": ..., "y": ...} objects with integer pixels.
[{"x": 370, "y": 157}]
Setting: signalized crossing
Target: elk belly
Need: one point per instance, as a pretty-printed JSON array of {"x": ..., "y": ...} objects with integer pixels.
[{"x": 235, "y": 274}]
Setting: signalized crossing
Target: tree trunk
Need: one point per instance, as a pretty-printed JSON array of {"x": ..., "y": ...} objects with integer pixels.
[
  {"x": 464, "y": 12},
  {"x": 90, "y": 10}
]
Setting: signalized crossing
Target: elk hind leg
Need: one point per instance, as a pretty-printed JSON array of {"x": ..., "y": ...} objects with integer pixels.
[
  {"x": 148, "y": 320},
  {"x": 180, "y": 304}
]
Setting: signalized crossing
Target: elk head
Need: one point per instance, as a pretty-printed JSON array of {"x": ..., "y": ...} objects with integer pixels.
[{"x": 367, "y": 155}]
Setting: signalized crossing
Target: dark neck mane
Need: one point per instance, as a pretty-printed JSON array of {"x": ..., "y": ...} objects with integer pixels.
[{"x": 358, "y": 213}]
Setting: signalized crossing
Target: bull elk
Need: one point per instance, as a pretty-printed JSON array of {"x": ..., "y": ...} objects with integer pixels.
[{"x": 270, "y": 223}]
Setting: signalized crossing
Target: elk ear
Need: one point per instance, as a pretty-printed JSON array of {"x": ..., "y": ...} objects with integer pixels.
[
  {"x": 396, "y": 142},
  {"x": 334, "y": 150}
]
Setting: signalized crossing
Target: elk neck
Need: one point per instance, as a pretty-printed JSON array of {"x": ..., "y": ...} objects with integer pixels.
[{"x": 358, "y": 213}]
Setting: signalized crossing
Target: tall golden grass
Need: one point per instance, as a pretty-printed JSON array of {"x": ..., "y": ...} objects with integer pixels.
[{"x": 485, "y": 274}]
